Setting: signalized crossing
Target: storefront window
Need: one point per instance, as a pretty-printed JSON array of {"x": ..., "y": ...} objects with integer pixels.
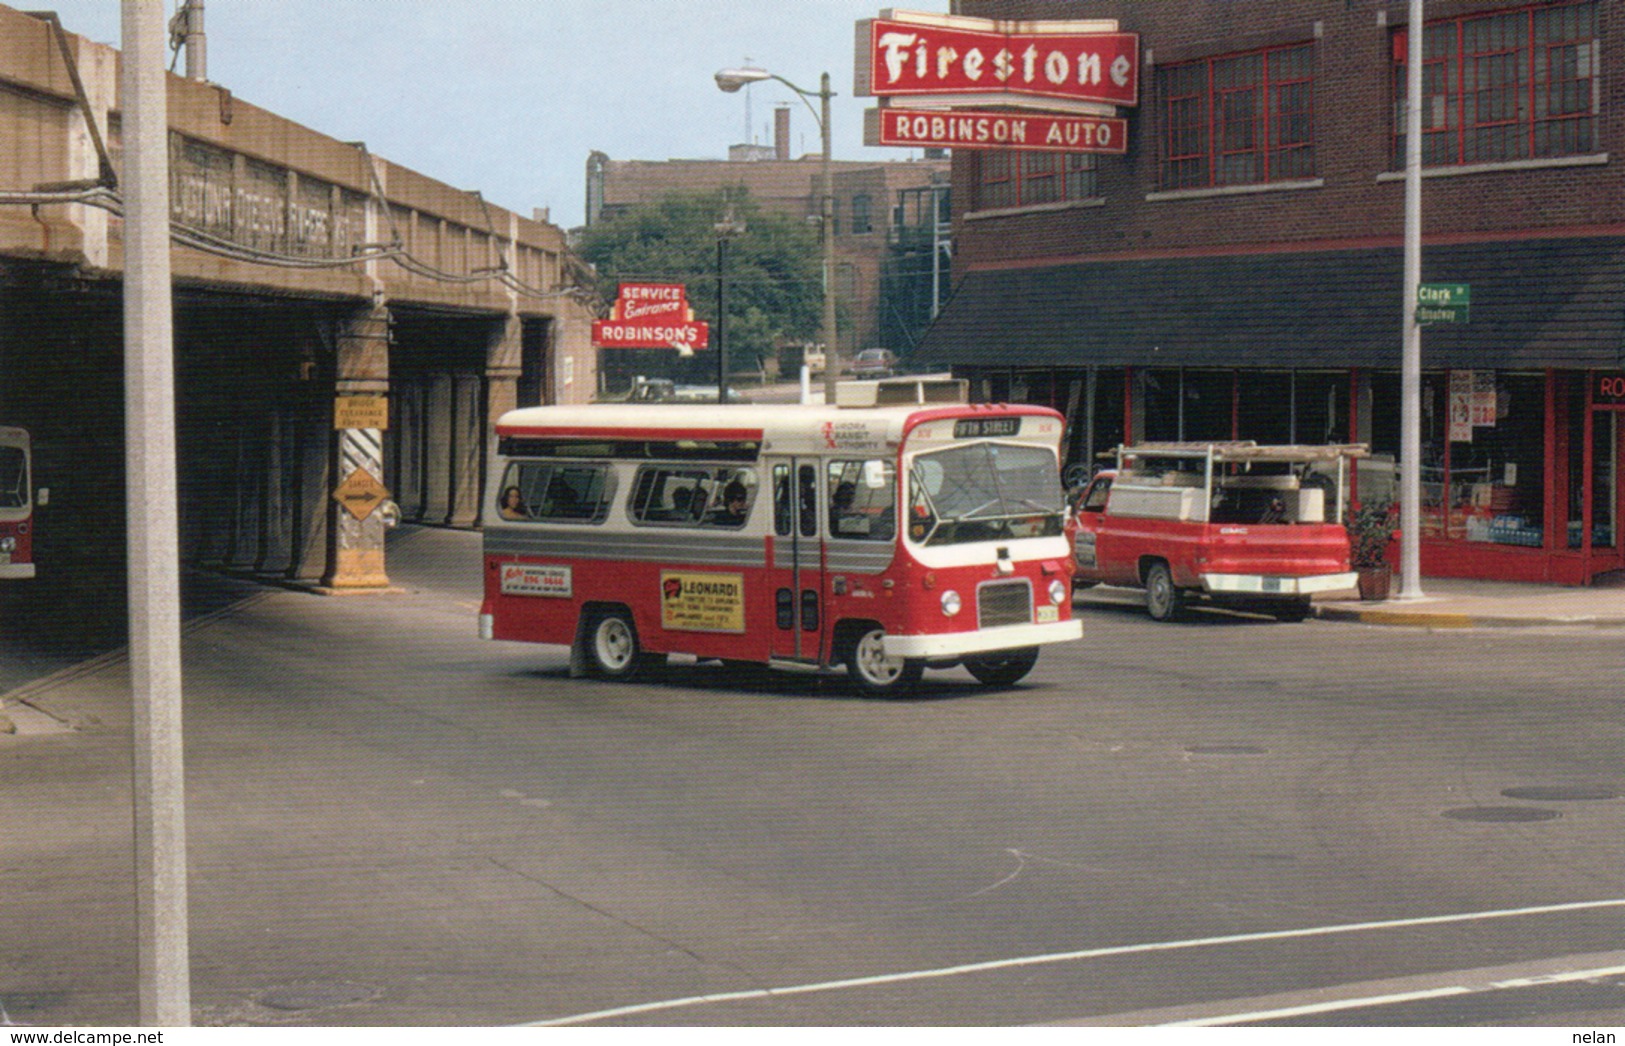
[
  {"x": 1263, "y": 411},
  {"x": 1320, "y": 407},
  {"x": 1497, "y": 457}
]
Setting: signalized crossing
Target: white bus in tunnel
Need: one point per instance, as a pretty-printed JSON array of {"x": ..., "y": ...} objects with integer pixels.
[{"x": 16, "y": 505}]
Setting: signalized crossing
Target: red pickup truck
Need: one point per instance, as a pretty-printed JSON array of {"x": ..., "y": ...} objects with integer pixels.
[{"x": 1238, "y": 523}]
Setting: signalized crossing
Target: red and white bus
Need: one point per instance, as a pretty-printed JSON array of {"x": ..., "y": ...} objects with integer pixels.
[
  {"x": 769, "y": 534},
  {"x": 16, "y": 505}
]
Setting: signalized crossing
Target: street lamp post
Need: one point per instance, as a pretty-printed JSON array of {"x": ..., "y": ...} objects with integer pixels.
[
  {"x": 732, "y": 80},
  {"x": 726, "y": 230}
]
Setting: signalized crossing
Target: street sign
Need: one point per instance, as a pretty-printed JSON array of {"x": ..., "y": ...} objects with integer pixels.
[
  {"x": 1442, "y": 302},
  {"x": 967, "y": 129},
  {"x": 361, "y": 412},
  {"x": 361, "y": 493}
]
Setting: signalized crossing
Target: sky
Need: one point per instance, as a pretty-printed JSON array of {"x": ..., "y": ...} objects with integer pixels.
[{"x": 508, "y": 97}]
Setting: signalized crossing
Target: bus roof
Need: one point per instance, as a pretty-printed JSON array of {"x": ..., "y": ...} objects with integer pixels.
[{"x": 780, "y": 427}]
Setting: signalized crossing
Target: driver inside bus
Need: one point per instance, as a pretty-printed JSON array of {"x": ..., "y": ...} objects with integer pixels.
[{"x": 735, "y": 506}]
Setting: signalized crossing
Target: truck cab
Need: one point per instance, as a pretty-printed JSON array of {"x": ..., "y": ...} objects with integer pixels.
[{"x": 1236, "y": 523}]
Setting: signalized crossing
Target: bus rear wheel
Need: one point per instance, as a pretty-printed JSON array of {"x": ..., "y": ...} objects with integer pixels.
[
  {"x": 612, "y": 645},
  {"x": 876, "y": 674},
  {"x": 1002, "y": 667}
]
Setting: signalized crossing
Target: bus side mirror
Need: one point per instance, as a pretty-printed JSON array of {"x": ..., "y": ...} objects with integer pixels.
[
  {"x": 42, "y": 496},
  {"x": 389, "y": 514}
]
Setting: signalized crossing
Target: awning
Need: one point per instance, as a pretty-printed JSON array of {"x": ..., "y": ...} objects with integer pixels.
[{"x": 1535, "y": 303}]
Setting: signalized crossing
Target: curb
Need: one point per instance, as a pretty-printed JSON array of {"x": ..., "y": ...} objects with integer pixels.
[{"x": 1457, "y": 620}]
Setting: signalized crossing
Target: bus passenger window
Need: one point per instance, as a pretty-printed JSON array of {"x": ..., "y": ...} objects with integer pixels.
[
  {"x": 807, "y": 496},
  {"x": 781, "y": 500},
  {"x": 544, "y": 491}
]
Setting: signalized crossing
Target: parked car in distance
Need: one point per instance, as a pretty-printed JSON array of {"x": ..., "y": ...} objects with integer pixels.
[
  {"x": 874, "y": 363},
  {"x": 812, "y": 357}
]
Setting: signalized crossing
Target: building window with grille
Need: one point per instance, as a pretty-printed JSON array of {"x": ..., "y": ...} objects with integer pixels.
[
  {"x": 1240, "y": 119},
  {"x": 1512, "y": 85},
  {"x": 1008, "y": 178},
  {"x": 862, "y": 221}
]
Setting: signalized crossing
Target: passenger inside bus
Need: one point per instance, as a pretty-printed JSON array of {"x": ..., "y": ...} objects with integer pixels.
[{"x": 513, "y": 504}]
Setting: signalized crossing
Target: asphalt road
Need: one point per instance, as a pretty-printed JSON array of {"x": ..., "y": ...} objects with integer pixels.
[{"x": 1222, "y": 820}]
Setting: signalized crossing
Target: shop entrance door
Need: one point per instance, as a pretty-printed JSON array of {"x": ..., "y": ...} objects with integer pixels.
[{"x": 1607, "y": 492}]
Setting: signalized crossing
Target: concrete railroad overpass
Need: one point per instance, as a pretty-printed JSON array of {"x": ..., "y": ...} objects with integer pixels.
[{"x": 306, "y": 271}]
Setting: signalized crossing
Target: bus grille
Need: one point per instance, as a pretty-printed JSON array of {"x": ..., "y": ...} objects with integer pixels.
[{"x": 1004, "y": 603}]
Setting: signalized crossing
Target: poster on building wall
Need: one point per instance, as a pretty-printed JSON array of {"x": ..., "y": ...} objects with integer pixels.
[
  {"x": 1483, "y": 403},
  {"x": 1461, "y": 406},
  {"x": 1473, "y": 402}
]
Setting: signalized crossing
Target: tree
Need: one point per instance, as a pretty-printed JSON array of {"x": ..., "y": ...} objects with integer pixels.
[{"x": 773, "y": 284}]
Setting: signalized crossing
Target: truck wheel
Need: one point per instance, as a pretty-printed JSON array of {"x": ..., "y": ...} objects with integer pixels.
[
  {"x": 1003, "y": 667},
  {"x": 876, "y": 674},
  {"x": 612, "y": 645},
  {"x": 1294, "y": 610},
  {"x": 1162, "y": 599}
]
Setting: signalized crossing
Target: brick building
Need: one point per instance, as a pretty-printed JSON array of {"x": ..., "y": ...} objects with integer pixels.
[
  {"x": 866, "y": 212},
  {"x": 1238, "y": 274}
]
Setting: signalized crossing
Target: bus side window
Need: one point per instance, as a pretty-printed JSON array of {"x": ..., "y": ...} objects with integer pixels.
[
  {"x": 781, "y": 500},
  {"x": 807, "y": 495}
]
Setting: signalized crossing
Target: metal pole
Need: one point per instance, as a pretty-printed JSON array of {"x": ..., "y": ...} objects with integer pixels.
[
  {"x": 1410, "y": 434},
  {"x": 197, "y": 47},
  {"x": 153, "y": 539},
  {"x": 722, "y": 320},
  {"x": 832, "y": 355}
]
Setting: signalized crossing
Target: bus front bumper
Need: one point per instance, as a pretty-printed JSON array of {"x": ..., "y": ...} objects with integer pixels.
[{"x": 1005, "y": 637}]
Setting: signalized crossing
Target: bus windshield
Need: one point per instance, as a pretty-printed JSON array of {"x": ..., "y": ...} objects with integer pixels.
[
  {"x": 984, "y": 492},
  {"x": 13, "y": 477}
]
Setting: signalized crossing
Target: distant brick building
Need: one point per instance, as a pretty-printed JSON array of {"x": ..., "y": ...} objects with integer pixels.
[
  {"x": 866, "y": 211},
  {"x": 1238, "y": 274}
]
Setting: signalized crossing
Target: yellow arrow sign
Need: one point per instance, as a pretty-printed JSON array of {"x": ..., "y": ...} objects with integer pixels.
[{"x": 361, "y": 493}]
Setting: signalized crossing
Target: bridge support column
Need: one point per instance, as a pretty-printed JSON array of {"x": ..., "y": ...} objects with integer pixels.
[
  {"x": 502, "y": 370},
  {"x": 467, "y": 448},
  {"x": 356, "y": 545}
]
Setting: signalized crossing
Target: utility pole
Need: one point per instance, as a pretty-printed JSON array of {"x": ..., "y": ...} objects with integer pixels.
[
  {"x": 826, "y": 210},
  {"x": 163, "y": 959},
  {"x": 1410, "y": 421},
  {"x": 186, "y": 30}
]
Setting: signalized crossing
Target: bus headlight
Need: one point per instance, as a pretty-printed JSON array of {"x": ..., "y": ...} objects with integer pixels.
[
  {"x": 1058, "y": 592},
  {"x": 950, "y": 602},
  {"x": 8, "y": 543}
]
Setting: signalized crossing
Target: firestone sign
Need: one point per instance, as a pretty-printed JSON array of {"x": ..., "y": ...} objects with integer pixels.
[
  {"x": 651, "y": 316},
  {"x": 946, "y": 55}
]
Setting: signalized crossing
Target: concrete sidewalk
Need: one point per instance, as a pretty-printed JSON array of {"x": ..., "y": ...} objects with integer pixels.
[
  {"x": 1450, "y": 603},
  {"x": 1458, "y": 603}
]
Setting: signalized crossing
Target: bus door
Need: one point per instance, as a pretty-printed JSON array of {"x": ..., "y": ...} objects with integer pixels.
[{"x": 797, "y": 571}]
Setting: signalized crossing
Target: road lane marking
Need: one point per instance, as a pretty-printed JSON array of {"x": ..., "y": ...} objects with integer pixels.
[
  {"x": 1393, "y": 998},
  {"x": 994, "y": 965}
]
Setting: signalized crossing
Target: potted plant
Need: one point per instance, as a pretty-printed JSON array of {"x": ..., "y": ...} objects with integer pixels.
[{"x": 1371, "y": 528}]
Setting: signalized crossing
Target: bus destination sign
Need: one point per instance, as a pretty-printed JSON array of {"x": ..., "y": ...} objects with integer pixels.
[{"x": 972, "y": 428}]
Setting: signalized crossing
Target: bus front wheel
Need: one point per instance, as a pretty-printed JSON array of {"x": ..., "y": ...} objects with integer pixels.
[
  {"x": 612, "y": 645},
  {"x": 874, "y": 672}
]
